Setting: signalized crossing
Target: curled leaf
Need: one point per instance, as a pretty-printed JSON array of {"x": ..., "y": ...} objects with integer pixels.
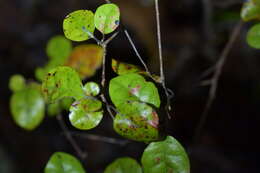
[
  {"x": 166, "y": 156},
  {"x": 17, "y": 83},
  {"x": 27, "y": 108},
  {"x": 133, "y": 87},
  {"x": 62, "y": 82},
  {"x": 137, "y": 121},
  {"x": 86, "y": 113},
  {"x": 77, "y": 24},
  {"x": 124, "y": 165},
  {"x": 107, "y": 18},
  {"x": 61, "y": 162},
  {"x": 86, "y": 59}
]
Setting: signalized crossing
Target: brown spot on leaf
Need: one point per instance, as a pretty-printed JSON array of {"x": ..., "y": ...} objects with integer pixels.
[{"x": 157, "y": 160}]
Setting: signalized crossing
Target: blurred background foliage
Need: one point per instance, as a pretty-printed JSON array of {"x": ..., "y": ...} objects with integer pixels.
[{"x": 193, "y": 35}]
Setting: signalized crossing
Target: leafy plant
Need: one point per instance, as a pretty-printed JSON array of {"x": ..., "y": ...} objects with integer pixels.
[{"x": 133, "y": 93}]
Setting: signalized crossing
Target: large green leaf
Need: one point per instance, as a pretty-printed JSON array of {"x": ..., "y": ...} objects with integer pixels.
[
  {"x": 77, "y": 24},
  {"x": 62, "y": 82},
  {"x": 27, "y": 107},
  {"x": 17, "y": 83},
  {"x": 107, "y": 18},
  {"x": 250, "y": 11},
  {"x": 253, "y": 36},
  {"x": 86, "y": 113},
  {"x": 124, "y": 165},
  {"x": 137, "y": 121},
  {"x": 133, "y": 87},
  {"x": 166, "y": 156},
  {"x": 61, "y": 162}
]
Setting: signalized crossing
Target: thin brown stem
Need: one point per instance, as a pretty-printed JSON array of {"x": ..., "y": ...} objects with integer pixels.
[
  {"x": 82, "y": 155},
  {"x": 215, "y": 79}
]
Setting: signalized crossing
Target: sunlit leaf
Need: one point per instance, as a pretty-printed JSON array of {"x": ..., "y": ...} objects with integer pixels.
[
  {"x": 250, "y": 11},
  {"x": 27, "y": 107},
  {"x": 107, "y": 18},
  {"x": 133, "y": 87},
  {"x": 17, "y": 82},
  {"x": 91, "y": 89},
  {"x": 77, "y": 24},
  {"x": 61, "y": 162},
  {"x": 59, "y": 48},
  {"x": 166, "y": 156},
  {"x": 124, "y": 165},
  {"x": 86, "y": 113},
  {"x": 253, "y": 36},
  {"x": 86, "y": 59},
  {"x": 137, "y": 121},
  {"x": 62, "y": 82},
  {"x": 122, "y": 68}
]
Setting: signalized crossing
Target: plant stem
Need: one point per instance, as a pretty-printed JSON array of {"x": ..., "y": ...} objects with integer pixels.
[
  {"x": 82, "y": 155},
  {"x": 215, "y": 79}
]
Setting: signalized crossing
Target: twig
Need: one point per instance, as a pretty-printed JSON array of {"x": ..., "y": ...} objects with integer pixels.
[
  {"x": 69, "y": 137},
  {"x": 162, "y": 76},
  {"x": 215, "y": 79},
  {"x": 101, "y": 138}
]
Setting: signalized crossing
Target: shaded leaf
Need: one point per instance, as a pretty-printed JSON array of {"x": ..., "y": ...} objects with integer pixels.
[
  {"x": 62, "y": 82},
  {"x": 122, "y": 68},
  {"x": 61, "y": 162},
  {"x": 86, "y": 113},
  {"x": 77, "y": 24},
  {"x": 133, "y": 87},
  {"x": 27, "y": 107},
  {"x": 53, "y": 109},
  {"x": 253, "y": 36},
  {"x": 166, "y": 156},
  {"x": 124, "y": 165},
  {"x": 107, "y": 18},
  {"x": 91, "y": 89},
  {"x": 137, "y": 121},
  {"x": 17, "y": 83},
  {"x": 250, "y": 11},
  {"x": 86, "y": 59}
]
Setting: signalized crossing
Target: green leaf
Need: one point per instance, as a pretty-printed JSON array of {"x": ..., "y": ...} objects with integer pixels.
[
  {"x": 91, "y": 89},
  {"x": 53, "y": 109},
  {"x": 122, "y": 68},
  {"x": 137, "y": 121},
  {"x": 107, "y": 18},
  {"x": 133, "y": 87},
  {"x": 59, "y": 48},
  {"x": 257, "y": 2},
  {"x": 124, "y": 165},
  {"x": 27, "y": 107},
  {"x": 61, "y": 162},
  {"x": 62, "y": 82},
  {"x": 253, "y": 36},
  {"x": 77, "y": 24},
  {"x": 166, "y": 156},
  {"x": 86, "y": 113},
  {"x": 17, "y": 82},
  {"x": 250, "y": 11}
]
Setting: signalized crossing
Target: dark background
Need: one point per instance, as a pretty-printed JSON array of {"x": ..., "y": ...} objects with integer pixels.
[{"x": 194, "y": 33}]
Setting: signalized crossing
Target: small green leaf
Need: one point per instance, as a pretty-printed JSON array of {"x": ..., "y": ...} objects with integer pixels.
[
  {"x": 91, "y": 89},
  {"x": 17, "y": 83},
  {"x": 61, "y": 162},
  {"x": 133, "y": 87},
  {"x": 107, "y": 18},
  {"x": 77, "y": 24},
  {"x": 59, "y": 48},
  {"x": 137, "y": 121},
  {"x": 250, "y": 11},
  {"x": 124, "y": 165},
  {"x": 86, "y": 113},
  {"x": 53, "y": 109},
  {"x": 62, "y": 82},
  {"x": 166, "y": 156},
  {"x": 66, "y": 103},
  {"x": 253, "y": 36},
  {"x": 27, "y": 107}
]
